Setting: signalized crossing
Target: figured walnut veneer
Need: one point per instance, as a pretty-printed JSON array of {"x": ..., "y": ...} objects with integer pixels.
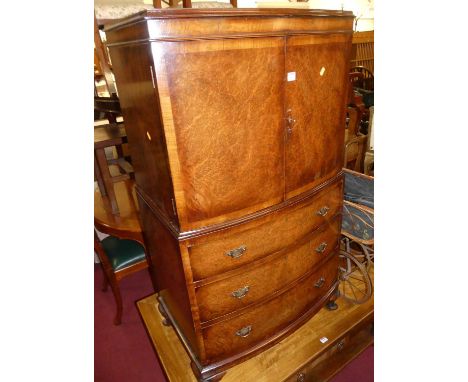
[
  {"x": 238, "y": 168},
  {"x": 219, "y": 130}
]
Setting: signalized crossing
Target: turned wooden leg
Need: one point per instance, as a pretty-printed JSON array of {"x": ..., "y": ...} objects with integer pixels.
[
  {"x": 104, "y": 281},
  {"x": 98, "y": 176},
  {"x": 331, "y": 304},
  {"x": 118, "y": 298},
  {"x": 106, "y": 177}
]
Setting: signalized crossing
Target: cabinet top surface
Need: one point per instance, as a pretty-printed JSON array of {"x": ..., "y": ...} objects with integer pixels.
[{"x": 183, "y": 13}]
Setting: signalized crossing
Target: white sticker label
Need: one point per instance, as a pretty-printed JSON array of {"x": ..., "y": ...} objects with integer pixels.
[
  {"x": 323, "y": 340},
  {"x": 322, "y": 71},
  {"x": 291, "y": 76}
]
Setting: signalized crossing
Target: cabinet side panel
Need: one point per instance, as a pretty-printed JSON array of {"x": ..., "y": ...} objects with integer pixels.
[
  {"x": 167, "y": 269},
  {"x": 140, "y": 108}
]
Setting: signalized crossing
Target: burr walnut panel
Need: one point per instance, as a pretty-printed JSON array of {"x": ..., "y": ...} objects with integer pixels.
[
  {"x": 232, "y": 336},
  {"x": 316, "y": 103},
  {"x": 261, "y": 278},
  {"x": 216, "y": 253},
  {"x": 220, "y": 173}
]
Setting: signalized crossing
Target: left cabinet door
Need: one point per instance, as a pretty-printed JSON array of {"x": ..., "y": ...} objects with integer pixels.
[{"x": 222, "y": 110}]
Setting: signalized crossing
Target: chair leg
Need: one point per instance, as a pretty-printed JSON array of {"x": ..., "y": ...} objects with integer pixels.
[
  {"x": 118, "y": 298},
  {"x": 104, "y": 282}
]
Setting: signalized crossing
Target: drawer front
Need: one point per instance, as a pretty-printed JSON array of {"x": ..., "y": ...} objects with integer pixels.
[
  {"x": 346, "y": 348},
  {"x": 257, "y": 324},
  {"x": 229, "y": 249},
  {"x": 261, "y": 278}
]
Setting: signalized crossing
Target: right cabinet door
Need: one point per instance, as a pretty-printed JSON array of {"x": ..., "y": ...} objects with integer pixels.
[{"x": 315, "y": 98}]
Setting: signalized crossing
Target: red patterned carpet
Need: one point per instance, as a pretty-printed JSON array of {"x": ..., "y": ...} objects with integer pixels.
[{"x": 124, "y": 353}]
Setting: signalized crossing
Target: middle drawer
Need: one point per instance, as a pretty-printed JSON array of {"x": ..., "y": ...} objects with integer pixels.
[{"x": 266, "y": 276}]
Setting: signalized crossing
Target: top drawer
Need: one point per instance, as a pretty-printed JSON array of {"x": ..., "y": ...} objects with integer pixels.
[{"x": 231, "y": 248}]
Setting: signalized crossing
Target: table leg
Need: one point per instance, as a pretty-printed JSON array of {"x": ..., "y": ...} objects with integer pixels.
[
  {"x": 97, "y": 174},
  {"x": 106, "y": 178}
]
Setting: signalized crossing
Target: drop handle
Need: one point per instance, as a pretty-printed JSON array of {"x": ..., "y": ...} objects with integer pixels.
[
  {"x": 241, "y": 292},
  {"x": 323, "y": 211},
  {"x": 236, "y": 252},
  {"x": 320, "y": 282},
  {"x": 321, "y": 248},
  {"x": 244, "y": 332}
]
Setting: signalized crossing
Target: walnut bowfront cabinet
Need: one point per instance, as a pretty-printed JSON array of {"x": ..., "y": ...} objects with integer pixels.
[{"x": 235, "y": 122}]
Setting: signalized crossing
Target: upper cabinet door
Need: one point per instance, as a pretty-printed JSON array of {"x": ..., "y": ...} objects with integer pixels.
[
  {"x": 222, "y": 109},
  {"x": 316, "y": 85}
]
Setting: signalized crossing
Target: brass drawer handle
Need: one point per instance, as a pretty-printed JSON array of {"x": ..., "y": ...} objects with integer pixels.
[
  {"x": 301, "y": 377},
  {"x": 241, "y": 292},
  {"x": 321, "y": 247},
  {"x": 244, "y": 332},
  {"x": 323, "y": 211},
  {"x": 237, "y": 252},
  {"x": 320, "y": 282}
]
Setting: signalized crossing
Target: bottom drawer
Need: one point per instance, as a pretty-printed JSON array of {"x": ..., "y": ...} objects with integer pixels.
[
  {"x": 261, "y": 322},
  {"x": 338, "y": 355}
]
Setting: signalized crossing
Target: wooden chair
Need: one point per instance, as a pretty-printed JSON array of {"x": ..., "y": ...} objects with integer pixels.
[
  {"x": 109, "y": 137},
  {"x": 107, "y": 108},
  {"x": 119, "y": 258},
  {"x": 369, "y": 155},
  {"x": 355, "y": 142},
  {"x": 366, "y": 80},
  {"x": 362, "y": 51},
  {"x": 354, "y": 153},
  {"x": 103, "y": 62}
]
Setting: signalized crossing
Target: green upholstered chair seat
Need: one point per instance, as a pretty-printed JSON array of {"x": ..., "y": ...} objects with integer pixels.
[{"x": 122, "y": 252}]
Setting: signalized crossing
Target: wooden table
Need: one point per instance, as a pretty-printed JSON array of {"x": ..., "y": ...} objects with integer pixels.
[
  {"x": 108, "y": 136},
  {"x": 125, "y": 224},
  {"x": 299, "y": 357}
]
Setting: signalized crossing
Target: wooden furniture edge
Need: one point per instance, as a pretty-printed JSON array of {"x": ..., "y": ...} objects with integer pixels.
[
  {"x": 168, "y": 13},
  {"x": 184, "y": 235}
]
